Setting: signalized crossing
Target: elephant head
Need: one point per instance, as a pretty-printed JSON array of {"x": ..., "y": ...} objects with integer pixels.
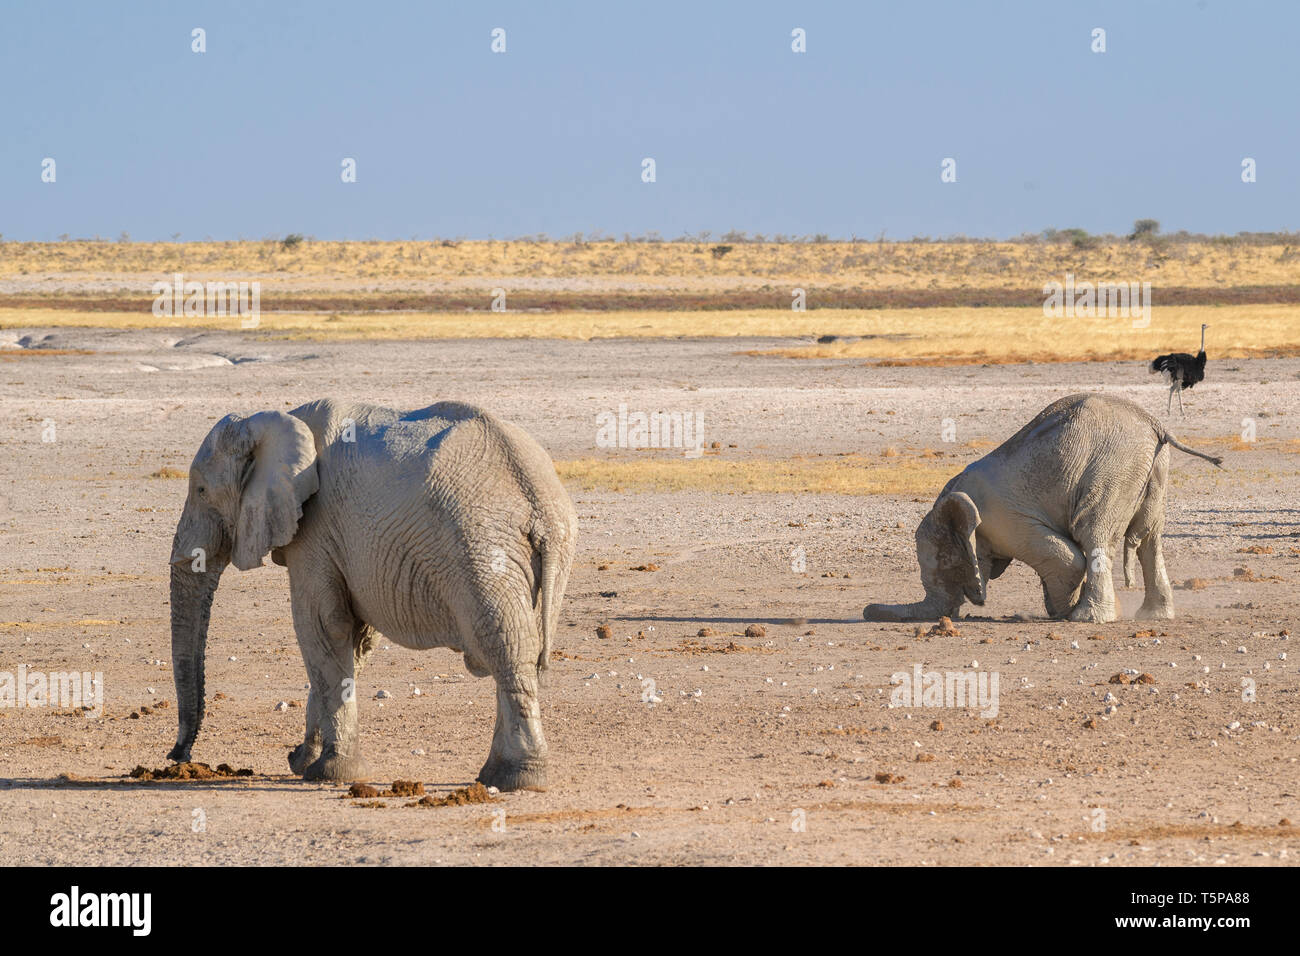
[
  {"x": 950, "y": 570},
  {"x": 248, "y": 483}
]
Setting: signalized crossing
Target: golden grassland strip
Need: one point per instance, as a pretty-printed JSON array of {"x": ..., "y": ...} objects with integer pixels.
[
  {"x": 844, "y": 475},
  {"x": 994, "y": 336},
  {"x": 883, "y": 265},
  {"x": 908, "y": 336},
  {"x": 919, "y": 476}
]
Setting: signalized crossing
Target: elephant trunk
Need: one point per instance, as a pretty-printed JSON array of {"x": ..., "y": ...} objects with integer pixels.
[
  {"x": 930, "y": 609},
  {"x": 191, "y": 605}
]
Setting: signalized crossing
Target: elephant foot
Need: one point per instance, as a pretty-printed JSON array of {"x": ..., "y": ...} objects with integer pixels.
[
  {"x": 530, "y": 775},
  {"x": 303, "y": 756},
  {"x": 1155, "y": 612},
  {"x": 1086, "y": 613},
  {"x": 180, "y": 753},
  {"x": 338, "y": 769}
]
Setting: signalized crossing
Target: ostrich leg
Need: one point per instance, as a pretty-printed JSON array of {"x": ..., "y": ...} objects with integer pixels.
[
  {"x": 1169, "y": 405},
  {"x": 1180, "y": 403}
]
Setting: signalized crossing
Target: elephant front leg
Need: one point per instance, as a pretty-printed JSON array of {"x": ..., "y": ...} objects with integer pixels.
[
  {"x": 1060, "y": 566},
  {"x": 1096, "y": 603},
  {"x": 328, "y": 638},
  {"x": 309, "y": 751},
  {"x": 517, "y": 760},
  {"x": 1159, "y": 601}
]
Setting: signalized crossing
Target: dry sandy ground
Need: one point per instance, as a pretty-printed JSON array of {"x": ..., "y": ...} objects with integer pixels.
[{"x": 750, "y": 730}]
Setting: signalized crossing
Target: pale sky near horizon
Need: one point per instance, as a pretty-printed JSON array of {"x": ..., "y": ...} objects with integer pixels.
[{"x": 246, "y": 140}]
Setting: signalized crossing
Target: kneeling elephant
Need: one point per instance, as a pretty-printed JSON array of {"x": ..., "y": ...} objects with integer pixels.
[{"x": 1062, "y": 494}]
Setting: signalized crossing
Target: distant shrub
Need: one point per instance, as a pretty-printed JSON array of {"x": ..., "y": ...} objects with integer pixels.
[
  {"x": 291, "y": 241},
  {"x": 1145, "y": 228},
  {"x": 720, "y": 251}
]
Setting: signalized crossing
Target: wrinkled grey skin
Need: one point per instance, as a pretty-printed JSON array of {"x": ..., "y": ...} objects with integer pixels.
[
  {"x": 442, "y": 527},
  {"x": 1086, "y": 476}
]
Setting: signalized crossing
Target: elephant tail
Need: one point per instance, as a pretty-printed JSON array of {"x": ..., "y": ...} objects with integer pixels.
[
  {"x": 549, "y": 589},
  {"x": 1168, "y": 439}
]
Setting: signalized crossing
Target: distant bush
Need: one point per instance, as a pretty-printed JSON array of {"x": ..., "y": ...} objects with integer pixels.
[
  {"x": 720, "y": 251},
  {"x": 291, "y": 241},
  {"x": 1145, "y": 228}
]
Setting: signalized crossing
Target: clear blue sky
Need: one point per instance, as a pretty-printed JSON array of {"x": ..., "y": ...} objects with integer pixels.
[{"x": 246, "y": 140}]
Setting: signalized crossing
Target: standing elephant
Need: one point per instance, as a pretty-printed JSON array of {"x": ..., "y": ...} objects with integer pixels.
[
  {"x": 1060, "y": 495},
  {"x": 441, "y": 527}
]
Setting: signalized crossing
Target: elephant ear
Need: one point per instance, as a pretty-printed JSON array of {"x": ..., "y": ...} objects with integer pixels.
[
  {"x": 279, "y": 475},
  {"x": 958, "y": 513}
]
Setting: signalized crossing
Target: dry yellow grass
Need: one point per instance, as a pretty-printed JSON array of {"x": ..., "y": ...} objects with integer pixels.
[
  {"x": 924, "y": 336},
  {"x": 963, "y": 336},
  {"x": 870, "y": 265},
  {"x": 845, "y": 475}
]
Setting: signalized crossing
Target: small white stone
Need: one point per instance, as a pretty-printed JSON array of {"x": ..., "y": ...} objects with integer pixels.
[
  {"x": 382, "y": 695},
  {"x": 232, "y": 656},
  {"x": 283, "y": 705}
]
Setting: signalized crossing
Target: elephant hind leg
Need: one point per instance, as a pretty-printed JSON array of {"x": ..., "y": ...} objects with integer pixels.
[
  {"x": 1130, "y": 562},
  {"x": 1159, "y": 601},
  {"x": 1096, "y": 603},
  {"x": 518, "y": 757}
]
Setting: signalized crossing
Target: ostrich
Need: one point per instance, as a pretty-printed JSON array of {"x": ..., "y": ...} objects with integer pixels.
[{"x": 1183, "y": 371}]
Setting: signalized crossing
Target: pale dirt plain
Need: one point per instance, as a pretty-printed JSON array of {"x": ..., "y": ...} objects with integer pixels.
[{"x": 797, "y": 719}]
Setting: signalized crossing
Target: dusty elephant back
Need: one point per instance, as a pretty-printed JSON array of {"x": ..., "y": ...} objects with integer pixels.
[
  {"x": 1082, "y": 412},
  {"x": 490, "y": 503}
]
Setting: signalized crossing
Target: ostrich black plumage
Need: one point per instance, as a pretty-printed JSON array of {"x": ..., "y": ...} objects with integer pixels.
[{"x": 1183, "y": 371}]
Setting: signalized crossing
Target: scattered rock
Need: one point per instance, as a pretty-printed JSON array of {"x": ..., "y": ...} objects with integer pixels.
[
  {"x": 604, "y": 632},
  {"x": 756, "y": 630}
]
